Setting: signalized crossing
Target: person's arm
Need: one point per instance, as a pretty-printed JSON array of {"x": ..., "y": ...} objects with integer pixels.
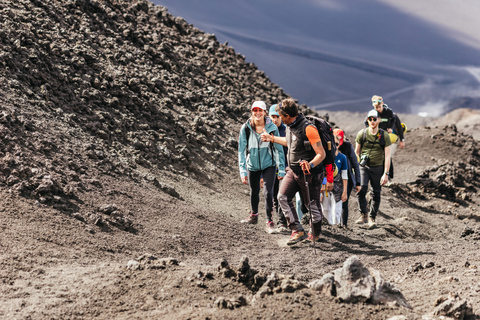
[
  {"x": 355, "y": 166},
  {"x": 271, "y": 138},
  {"x": 344, "y": 193},
  {"x": 242, "y": 160},
  {"x": 386, "y": 171},
  {"x": 358, "y": 149},
  {"x": 314, "y": 138},
  {"x": 391, "y": 121}
]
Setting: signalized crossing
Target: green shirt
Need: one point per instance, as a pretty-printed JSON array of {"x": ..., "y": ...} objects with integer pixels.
[{"x": 372, "y": 147}]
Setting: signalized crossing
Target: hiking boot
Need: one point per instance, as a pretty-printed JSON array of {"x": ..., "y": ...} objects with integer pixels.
[
  {"x": 271, "y": 227},
  {"x": 252, "y": 219},
  {"x": 371, "y": 223},
  {"x": 283, "y": 229},
  {"x": 296, "y": 237},
  {"x": 311, "y": 238},
  {"x": 363, "y": 219}
]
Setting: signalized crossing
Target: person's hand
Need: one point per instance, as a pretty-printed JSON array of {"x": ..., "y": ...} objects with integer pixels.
[
  {"x": 344, "y": 197},
  {"x": 265, "y": 136},
  {"x": 305, "y": 165},
  {"x": 322, "y": 189},
  {"x": 384, "y": 179},
  {"x": 245, "y": 180},
  {"x": 358, "y": 188},
  {"x": 261, "y": 182},
  {"x": 401, "y": 144},
  {"x": 329, "y": 186},
  {"x": 389, "y": 130}
]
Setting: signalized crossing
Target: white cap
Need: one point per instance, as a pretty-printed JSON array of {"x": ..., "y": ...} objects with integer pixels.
[
  {"x": 259, "y": 104},
  {"x": 372, "y": 113}
]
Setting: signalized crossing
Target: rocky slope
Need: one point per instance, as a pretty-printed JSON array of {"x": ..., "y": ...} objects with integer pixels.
[{"x": 124, "y": 85}]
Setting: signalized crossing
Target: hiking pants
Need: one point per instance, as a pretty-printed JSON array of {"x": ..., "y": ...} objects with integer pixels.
[
  {"x": 374, "y": 175},
  {"x": 345, "y": 204},
  {"x": 294, "y": 182},
  {"x": 269, "y": 176},
  {"x": 276, "y": 206}
]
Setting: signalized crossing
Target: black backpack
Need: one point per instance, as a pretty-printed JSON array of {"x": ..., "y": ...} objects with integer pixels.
[{"x": 326, "y": 135}]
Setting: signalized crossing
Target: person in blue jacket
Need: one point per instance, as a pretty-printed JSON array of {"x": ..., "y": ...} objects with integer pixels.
[
  {"x": 282, "y": 221},
  {"x": 257, "y": 159}
]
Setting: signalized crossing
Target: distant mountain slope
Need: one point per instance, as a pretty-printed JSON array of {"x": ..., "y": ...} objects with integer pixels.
[{"x": 337, "y": 54}]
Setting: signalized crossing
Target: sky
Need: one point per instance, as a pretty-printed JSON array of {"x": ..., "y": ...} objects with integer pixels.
[{"x": 335, "y": 54}]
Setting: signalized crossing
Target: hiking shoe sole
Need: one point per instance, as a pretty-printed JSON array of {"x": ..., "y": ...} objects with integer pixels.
[{"x": 299, "y": 239}]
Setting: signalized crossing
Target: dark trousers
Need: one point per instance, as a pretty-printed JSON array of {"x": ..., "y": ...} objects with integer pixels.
[
  {"x": 282, "y": 221},
  {"x": 269, "y": 177},
  {"x": 374, "y": 176},
  {"x": 345, "y": 204},
  {"x": 294, "y": 182}
]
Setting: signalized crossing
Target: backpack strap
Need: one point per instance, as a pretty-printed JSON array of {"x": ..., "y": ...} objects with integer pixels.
[
  {"x": 381, "y": 140},
  {"x": 247, "y": 135}
]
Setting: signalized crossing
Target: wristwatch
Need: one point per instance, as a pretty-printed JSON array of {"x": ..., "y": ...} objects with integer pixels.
[{"x": 387, "y": 173}]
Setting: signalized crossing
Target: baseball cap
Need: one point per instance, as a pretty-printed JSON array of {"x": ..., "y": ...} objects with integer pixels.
[
  {"x": 341, "y": 134},
  {"x": 372, "y": 113},
  {"x": 272, "y": 111},
  {"x": 259, "y": 104}
]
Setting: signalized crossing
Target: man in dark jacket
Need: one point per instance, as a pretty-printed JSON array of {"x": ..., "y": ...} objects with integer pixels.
[
  {"x": 389, "y": 122},
  {"x": 354, "y": 181},
  {"x": 305, "y": 154}
]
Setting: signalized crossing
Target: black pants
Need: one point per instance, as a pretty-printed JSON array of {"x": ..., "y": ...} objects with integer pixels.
[
  {"x": 345, "y": 204},
  {"x": 294, "y": 182},
  {"x": 374, "y": 176},
  {"x": 269, "y": 177}
]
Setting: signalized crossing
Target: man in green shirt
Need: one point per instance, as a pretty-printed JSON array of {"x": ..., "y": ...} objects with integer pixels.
[{"x": 373, "y": 149}]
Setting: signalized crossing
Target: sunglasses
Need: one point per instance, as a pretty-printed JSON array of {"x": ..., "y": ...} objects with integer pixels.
[
  {"x": 377, "y": 101},
  {"x": 257, "y": 109},
  {"x": 372, "y": 119},
  {"x": 282, "y": 108}
]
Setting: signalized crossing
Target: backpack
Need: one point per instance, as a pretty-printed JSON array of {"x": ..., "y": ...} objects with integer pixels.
[
  {"x": 326, "y": 135},
  {"x": 381, "y": 141}
]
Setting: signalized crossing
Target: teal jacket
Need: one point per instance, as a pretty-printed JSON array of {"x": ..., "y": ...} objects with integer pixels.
[{"x": 261, "y": 154}]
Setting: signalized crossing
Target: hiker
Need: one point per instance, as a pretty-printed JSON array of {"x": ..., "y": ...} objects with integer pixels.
[
  {"x": 259, "y": 159},
  {"x": 373, "y": 148},
  {"x": 389, "y": 122},
  {"x": 354, "y": 181},
  {"x": 301, "y": 158},
  {"x": 332, "y": 201},
  {"x": 282, "y": 222}
]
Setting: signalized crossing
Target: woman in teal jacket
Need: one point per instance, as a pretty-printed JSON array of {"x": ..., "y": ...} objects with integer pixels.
[{"x": 258, "y": 159}]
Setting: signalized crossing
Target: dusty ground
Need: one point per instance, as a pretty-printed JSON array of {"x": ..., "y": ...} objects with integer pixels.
[{"x": 54, "y": 266}]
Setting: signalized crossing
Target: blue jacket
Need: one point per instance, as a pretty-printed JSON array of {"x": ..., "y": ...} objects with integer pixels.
[{"x": 259, "y": 156}]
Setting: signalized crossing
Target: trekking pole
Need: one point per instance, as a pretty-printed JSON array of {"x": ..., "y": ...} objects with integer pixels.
[{"x": 306, "y": 171}]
